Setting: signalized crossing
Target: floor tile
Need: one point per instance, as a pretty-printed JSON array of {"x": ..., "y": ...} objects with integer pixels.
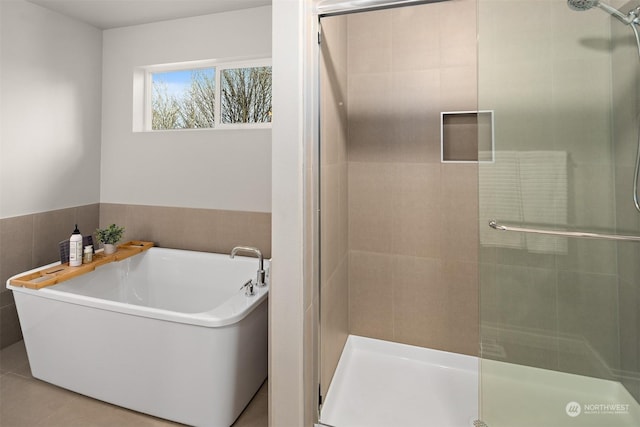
[{"x": 13, "y": 359}]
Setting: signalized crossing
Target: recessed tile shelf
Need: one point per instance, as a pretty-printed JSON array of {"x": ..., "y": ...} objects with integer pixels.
[{"x": 466, "y": 136}]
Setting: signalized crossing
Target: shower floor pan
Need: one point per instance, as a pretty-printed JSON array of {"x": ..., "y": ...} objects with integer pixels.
[{"x": 383, "y": 384}]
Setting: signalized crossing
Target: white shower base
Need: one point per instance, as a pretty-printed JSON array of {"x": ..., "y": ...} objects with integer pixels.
[{"x": 383, "y": 384}]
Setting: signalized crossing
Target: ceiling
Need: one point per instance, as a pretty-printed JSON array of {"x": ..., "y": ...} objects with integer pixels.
[{"x": 106, "y": 14}]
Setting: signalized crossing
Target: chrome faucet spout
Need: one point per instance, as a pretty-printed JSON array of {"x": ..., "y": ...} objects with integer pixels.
[{"x": 260, "y": 274}]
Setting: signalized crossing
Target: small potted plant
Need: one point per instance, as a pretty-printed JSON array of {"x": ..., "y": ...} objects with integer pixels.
[{"x": 109, "y": 237}]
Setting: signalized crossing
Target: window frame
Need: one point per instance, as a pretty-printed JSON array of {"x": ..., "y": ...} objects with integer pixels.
[{"x": 144, "y": 75}]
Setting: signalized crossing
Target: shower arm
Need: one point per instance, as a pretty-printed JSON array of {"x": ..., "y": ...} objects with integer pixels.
[{"x": 625, "y": 19}]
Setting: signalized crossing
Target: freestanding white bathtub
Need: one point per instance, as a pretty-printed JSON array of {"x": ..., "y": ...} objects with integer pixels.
[{"x": 167, "y": 332}]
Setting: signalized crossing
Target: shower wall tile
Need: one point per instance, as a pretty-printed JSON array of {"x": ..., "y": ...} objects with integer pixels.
[
  {"x": 412, "y": 233},
  {"x": 459, "y": 86},
  {"x": 416, "y": 220},
  {"x": 415, "y": 117},
  {"x": 628, "y": 265},
  {"x": 457, "y": 42},
  {"x": 592, "y": 256},
  {"x": 533, "y": 32},
  {"x": 522, "y": 257},
  {"x": 582, "y": 129},
  {"x": 371, "y": 206},
  {"x": 415, "y": 38},
  {"x": 370, "y": 42},
  {"x": 335, "y": 320},
  {"x": 420, "y": 302},
  {"x": 591, "y": 195},
  {"x": 459, "y": 209},
  {"x": 629, "y": 300},
  {"x": 527, "y": 298},
  {"x": 334, "y": 105},
  {"x": 334, "y": 219},
  {"x": 519, "y": 314},
  {"x": 461, "y": 279},
  {"x": 371, "y": 294},
  {"x": 370, "y": 117},
  {"x": 334, "y": 203},
  {"x": 488, "y": 308},
  {"x": 207, "y": 230},
  {"x": 588, "y": 315}
]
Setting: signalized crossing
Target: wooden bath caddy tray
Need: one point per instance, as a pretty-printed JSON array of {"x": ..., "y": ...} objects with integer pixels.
[{"x": 59, "y": 273}]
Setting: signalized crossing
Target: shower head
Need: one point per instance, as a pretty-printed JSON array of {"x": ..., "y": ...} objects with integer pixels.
[{"x": 581, "y": 5}]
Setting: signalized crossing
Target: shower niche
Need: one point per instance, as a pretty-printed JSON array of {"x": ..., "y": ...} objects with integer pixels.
[{"x": 466, "y": 136}]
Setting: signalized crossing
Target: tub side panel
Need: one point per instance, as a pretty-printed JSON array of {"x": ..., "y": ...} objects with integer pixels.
[{"x": 190, "y": 374}]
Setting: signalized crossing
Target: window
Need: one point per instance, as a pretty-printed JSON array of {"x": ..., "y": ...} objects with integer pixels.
[
  {"x": 183, "y": 99},
  {"x": 246, "y": 95},
  {"x": 203, "y": 95}
]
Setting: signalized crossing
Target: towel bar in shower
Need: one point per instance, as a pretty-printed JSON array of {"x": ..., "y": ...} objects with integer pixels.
[{"x": 493, "y": 224}]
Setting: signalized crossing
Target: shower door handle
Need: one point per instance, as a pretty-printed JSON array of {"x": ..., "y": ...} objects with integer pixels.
[{"x": 560, "y": 233}]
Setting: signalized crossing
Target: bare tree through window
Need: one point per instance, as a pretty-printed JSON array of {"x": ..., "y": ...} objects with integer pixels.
[{"x": 246, "y": 95}]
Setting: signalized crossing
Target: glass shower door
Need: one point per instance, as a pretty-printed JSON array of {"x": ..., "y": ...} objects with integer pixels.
[{"x": 559, "y": 314}]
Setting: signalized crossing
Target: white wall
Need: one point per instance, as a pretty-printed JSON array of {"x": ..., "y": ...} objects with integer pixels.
[
  {"x": 215, "y": 169},
  {"x": 50, "y": 108},
  {"x": 286, "y": 297}
]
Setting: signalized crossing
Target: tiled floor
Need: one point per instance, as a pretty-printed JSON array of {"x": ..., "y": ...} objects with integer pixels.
[{"x": 28, "y": 402}]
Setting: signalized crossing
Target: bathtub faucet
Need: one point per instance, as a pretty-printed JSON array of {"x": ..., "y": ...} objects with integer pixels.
[{"x": 256, "y": 251}]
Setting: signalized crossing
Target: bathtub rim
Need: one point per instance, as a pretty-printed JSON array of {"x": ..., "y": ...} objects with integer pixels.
[{"x": 231, "y": 311}]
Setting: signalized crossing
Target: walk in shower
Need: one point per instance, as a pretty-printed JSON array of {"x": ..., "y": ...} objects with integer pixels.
[{"x": 437, "y": 118}]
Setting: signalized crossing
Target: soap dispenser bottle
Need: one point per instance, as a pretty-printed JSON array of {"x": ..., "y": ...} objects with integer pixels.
[{"x": 75, "y": 248}]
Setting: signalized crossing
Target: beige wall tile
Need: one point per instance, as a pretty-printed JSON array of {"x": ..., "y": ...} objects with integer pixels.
[
  {"x": 460, "y": 212},
  {"x": 458, "y": 33},
  {"x": 49, "y": 229},
  {"x": 459, "y": 88},
  {"x": 416, "y": 105},
  {"x": 416, "y": 216},
  {"x": 10, "y": 331},
  {"x": 16, "y": 246},
  {"x": 370, "y": 41},
  {"x": 371, "y": 206},
  {"x": 461, "y": 279},
  {"x": 415, "y": 38},
  {"x": 371, "y": 294},
  {"x": 31, "y": 241},
  {"x": 207, "y": 230},
  {"x": 371, "y": 131},
  {"x": 332, "y": 219},
  {"x": 114, "y": 213},
  {"x": 88, "y": 218},
  {"x": 398, "y": 205},
  {"x": 419, "y": 302},
  {"x": 334, "y": 319}
]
